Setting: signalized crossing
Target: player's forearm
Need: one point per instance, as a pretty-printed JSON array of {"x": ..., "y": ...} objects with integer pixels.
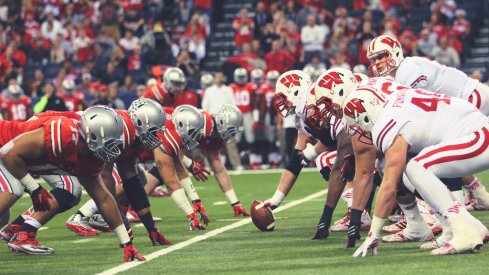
[
  {"x": 335, "y": 188},
  {"x": 222, "y": 177},
  {"x": 386, "y": 199},
  {"x": 287, "y": 181},
  {"x": 362, "y": 186},
  {"x": 15, "y": 165}
]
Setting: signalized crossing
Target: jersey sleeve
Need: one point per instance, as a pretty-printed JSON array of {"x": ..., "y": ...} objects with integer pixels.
[
  {"x": 384, "y": 135},
  {"x": 171, "y": 143},
  {"x": 61, "y": 139}
]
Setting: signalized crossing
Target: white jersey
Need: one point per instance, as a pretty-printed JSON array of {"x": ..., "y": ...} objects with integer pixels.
[
  {"x": 422, "y": 73},
  {"x": 424, "y": 119}
]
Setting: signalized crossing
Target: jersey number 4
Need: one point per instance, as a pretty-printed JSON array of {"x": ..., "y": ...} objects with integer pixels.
[{"x": 429, "y": 103}]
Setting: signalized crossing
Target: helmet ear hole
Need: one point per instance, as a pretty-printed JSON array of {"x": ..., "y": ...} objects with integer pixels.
[
  {"x": 93, "y": 137},
  {"x": 366, "y": 120},
  {"x": 139, "y": 122},
  {"x": 341, "y": 92},
  {"x": 296, "y": 92},
  {"x": 180, "y": 124}
]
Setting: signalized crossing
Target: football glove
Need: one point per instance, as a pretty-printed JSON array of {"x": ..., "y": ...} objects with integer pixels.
[
  {"x": 321, "y": 233},
  {"x": 239, "y": 210},
  {"x": 198, "y": 171},
  {"x": 131, "y": 254},
  {"x": 40, "y": 199},
  {"x": 199, "y": 208},
  {"x": 348, "y": 168},
  {"x": 353, "y": 235},
  {"x": 157, "y": 238},
  {"x": 371, "y": 242},
  {"x": 194, "y": 223}
]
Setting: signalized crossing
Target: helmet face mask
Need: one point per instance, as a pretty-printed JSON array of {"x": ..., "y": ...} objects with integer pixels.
[
  {"x": 288, "y": 88},
  {"x": 149, "y": 119},
  {"x": 68, "y": 87},
  {"x": 240, "y": 76},
  {"x": 14, "y": 92},
  {"x": 385, "y": 55},
  {"x": 229, "y": 123},
  {"x": 174, "y": 80},
  {"x": 257, "y": 76},
  {"x": 272, "y": 77}
]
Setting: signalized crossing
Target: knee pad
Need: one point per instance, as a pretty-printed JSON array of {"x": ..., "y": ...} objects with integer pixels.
[
  {"x": 294, "y": 165},
  {"x": 453, "y": 184},
  {"x": 155, "y": 173},
  {"x": 65, "y": 199},
  {"x": 135, "y": 193}
]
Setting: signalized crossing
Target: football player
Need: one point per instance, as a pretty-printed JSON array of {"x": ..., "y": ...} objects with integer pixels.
[
  {"x": 16, "y": 107},
  {"x": 174, "y": 82},
  {"x": 401, "y": 124},
  {"x": 74, "y": 100},
  {"x": 386, "y": 59},
  {"x": 63, "y": 146}
]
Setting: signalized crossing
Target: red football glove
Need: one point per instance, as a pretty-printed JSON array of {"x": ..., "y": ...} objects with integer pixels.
[
  {"x": 131, "y": 254},
  {"x": 199, "y": 171},
  {"x": 40, "y": 199},
  {"x": 199, "y": 208},
  {"x": 157, "y": 238},
  {"x": 348, "y": 168},
  {"x": 194, "y": 222},
  {"x": 239, "y": 210}
]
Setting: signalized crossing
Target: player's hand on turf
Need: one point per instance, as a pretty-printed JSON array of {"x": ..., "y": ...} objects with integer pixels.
[
  {"x": 353, "y": 235},
  {"x": 40, "y": 199},
  {"x": 194, "y": 222},
  {"x": 348, "y": 168},
  {"x": 131, "y": 254},
  {"x": 240, "y": 211},
  {"x": 321, "y": 233},
  {"x": 198, "y": 170},
  {"x": 199, "y": 208},
  {"x": 370, "y": 243},
  {"x": 157, "y": 238}
]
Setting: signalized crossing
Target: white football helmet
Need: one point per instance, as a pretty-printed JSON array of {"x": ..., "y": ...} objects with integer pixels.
[
  {"x": 174, "y": 80},
  {"x": 288, "y": 89},
  {"x": 311, "y": 111},
  {"x": 360, "y": 69},
  {"x": 317, "y": 73},
  {"x": 229, "y": 123},
  {"x": 331, "y": 89},
  {"x": 272, "y": 77},
  {"x": 257, "y": 76},
  {"x": 240, "y": 76},
  {"x": 189, "y": 123},
  {"x": 388, "y": 50},
  {"x": 361, "y": 110},
  {"x": 206, "y": 80},
  {"x": 68, "y": 87},
  {"x": 148, "y": 118},
  {"x": 102, "y": 129},
  {"x": 362, "y": 79}
]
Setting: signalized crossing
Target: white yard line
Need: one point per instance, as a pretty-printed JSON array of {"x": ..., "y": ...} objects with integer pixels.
[{"x": 215, "y": 232}]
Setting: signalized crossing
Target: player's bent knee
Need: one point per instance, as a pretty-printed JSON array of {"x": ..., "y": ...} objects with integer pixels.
[
  {"x": 137, "y": 197},
  {"x": 453, "y": 184},
  {"x": 65, "y": 199},
  {"x": 294, "y": 165}
]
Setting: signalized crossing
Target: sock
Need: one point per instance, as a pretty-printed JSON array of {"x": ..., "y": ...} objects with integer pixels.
[
  {"x": 479, "y": 190},
  {"x": 20, "y": 220},
  {"x": 413, "y": 217},
  {"x": 458, "y": 196},
  {"x": 30, "y": 225},
  {"x": 231, "y": 195},
  {"x": 189, "y": 189},
  {"x": 178, "y": 196},
  {"x": 347, "y": 196},
  {"x": 446, "y": 234},
  {"x": 474, "y": 185},
  {"x": 88, "y": 209},
  {"x": 147, "y": 220}
]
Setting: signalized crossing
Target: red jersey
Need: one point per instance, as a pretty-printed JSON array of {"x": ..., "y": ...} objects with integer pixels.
[
  {"x": 171, "y": 142},
  {"x": 61, "y": 145},
  {"x": 266, "y": 92},
  {"x": 158, "y": 93},
  {"x": 17, "y": 110},
  {"x": 243, "y": 94},
  {"x": 187, "y": 97},
  {"x": 73, "y": 103}
]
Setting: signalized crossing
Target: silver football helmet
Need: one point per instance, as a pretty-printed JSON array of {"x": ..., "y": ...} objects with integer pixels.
[
  {"x": 229, "y": 123},
  {"x": 174, "y": 80},
  {"x": 149, "y": 118},
  {"x": 206, "y": 80},
  {"x": 240, "y": 76},
  {"x": 14, "y": 91},
  {"x": 189, "y": 123},
  {"x": 68, "y": 87},
  {"x": 257, "y": 76},
  {"x": 102, "y": 129}
]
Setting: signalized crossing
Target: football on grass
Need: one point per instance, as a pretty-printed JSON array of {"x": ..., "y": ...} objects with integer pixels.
[{"x": 262, "y": 217}]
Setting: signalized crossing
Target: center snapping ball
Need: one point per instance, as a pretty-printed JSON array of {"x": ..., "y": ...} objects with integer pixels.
[{"x": 262, "y": 216}]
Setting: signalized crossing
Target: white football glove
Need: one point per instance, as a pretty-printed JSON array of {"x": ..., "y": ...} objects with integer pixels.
[{"x": 371, "y": 242}]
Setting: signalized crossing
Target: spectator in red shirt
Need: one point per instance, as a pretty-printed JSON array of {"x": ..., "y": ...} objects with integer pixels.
[
  {"x": 243, "y": 28},
  {"x": 279, "y": 59},
  {"x": 134, "y": 61}
]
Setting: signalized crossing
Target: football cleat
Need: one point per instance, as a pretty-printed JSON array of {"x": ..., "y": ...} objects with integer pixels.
[
  {"x": 395, "y": 218},
  {"x": 132, "y": 216},
  {"x": 240, "y": 211},
  {"x": 97, "y": 221},
  {"x": 449, "y": 249},
  {"x": 160, "y": 192},
  {"x": 157, "y": 238},
  {"x": 78, "y": 224},
  {"x": 26, "y": 243},
  {"x": 9, "y": 231},
  {"x": 397, "y": 227},
  {"x": 343, "y": 224},
  {"x": 406, "y": 236}
]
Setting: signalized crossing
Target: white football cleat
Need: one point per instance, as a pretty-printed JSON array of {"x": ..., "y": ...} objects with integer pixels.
[
  {"x": 344, "y": 223},
  {"x": 397, "y": 227},
  {"x": 408, "y": 236}
]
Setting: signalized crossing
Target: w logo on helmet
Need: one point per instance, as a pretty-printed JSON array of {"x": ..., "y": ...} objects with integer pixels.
[
  {"x": 328, "y": 80},
  {"x": 291, "y": 79},
  {"x": 353, "y": 108}
]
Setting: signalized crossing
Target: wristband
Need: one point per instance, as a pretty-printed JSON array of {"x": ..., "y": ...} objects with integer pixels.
[
  {"x": 309, "y": 152},
  {"x": 29, "y": 183},
  {"x": 376, "y": 226},
  {"x": 187, "y": 162},
  {"x": 121, "y": 233}
]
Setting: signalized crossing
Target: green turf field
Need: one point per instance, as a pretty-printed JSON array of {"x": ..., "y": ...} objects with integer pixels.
[{"x": 240, "y": 250}]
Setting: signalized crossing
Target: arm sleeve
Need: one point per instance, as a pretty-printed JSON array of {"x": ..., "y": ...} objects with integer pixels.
[{"x": 41, "y": 105}]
